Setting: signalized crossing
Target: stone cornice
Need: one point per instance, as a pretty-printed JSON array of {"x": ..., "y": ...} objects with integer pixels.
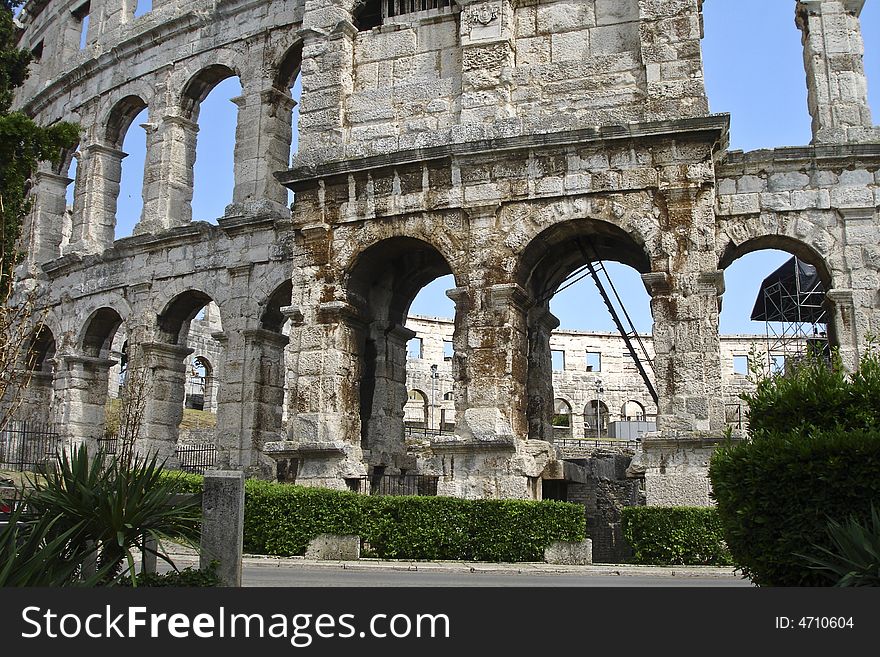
[
  {"x": 712, "y": 128},
  {"x": 827, "y": 156}
]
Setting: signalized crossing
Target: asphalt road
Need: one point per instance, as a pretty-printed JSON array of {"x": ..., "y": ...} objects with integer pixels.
[{"x": 293, "y": 573}]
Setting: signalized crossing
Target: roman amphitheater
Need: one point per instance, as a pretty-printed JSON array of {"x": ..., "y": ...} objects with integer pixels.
[{"x": 506, "y": 143}]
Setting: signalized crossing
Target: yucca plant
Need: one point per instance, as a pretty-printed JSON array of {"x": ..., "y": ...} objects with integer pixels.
[
  {"x": 855, "y": 557},
  {"x": 109, "y": 507}
]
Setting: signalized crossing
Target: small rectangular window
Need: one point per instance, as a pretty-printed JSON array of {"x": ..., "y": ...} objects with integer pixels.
[
  {"x": 143, "y": 7},
  {"x": 37, "y": 52},
  {"x": 448, "y": 350},
  {"x": 558, "y": 360},
  {"x": 81, "y": 14},
  {"x": 777, "y": 363},
  {"x": 414, "y": 348},
  {"x": 594, "y": 361},
  {"x": 741, "y": 365}
]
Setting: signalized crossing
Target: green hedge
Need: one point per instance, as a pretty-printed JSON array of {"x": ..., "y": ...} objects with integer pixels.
[
  {"x": 281, "y": 519},
  {"x": 667, "y": 536},
  {"x": 776, "y": 494}
]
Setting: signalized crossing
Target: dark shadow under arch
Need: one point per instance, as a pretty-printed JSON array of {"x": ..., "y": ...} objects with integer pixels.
[
  {"x": 200, "y": 85},
  {"x": 178, "y": 313},
  {"x": 120, "y": 119},
  {"x": 100, "y": 330}
]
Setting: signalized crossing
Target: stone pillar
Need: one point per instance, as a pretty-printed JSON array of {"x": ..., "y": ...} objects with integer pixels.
[
  {"x": 837, "y": 90},
  {"x": 262, "y": 147},
  {"x": 222, "y": 537},
  {"x": 168, "y": 174},
  {"x": 384, "y": 418},
  {"x": 252, "y": 395},
  {"x": 45, "y": 223},
  {"x": 327, "y": 77},
  {"x": 165, "y": 384},
  {"x": 687, "y": 348},
  {"x": 36, "y": 396},
  {"x": 842, "y": 326},
  {"x": 487, "y": 35},
  {"x": 81, "y": 390},
  {"x": 96, "y": 191},
  {"x": 324, "y": 429},
  {"x": 670, "y": 34},
  {"x": 540, "y": 377}
]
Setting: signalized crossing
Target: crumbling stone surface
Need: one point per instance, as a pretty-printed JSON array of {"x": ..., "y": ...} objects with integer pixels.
[{"x": 503, "y": 143}]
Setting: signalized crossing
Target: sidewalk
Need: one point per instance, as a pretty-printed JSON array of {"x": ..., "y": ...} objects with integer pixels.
[{"x": 183, "y": 558}]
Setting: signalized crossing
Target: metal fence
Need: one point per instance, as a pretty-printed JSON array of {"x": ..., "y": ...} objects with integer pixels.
[
  {"x": 197, "y": 457},
  {"x": 425, "y": 485},
  {"x": 27, "y": 445},
  {"x": 596, "y": 443}
]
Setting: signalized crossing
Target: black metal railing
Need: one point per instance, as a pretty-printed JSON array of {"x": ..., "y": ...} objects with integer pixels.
[
  {"x": 596, "y": 443},
  {"x": 109, "y": 444},
  {"x": 412, "y": 430},
  {"x": 26, "y": 445},
  {"x": 197, "y": 458},
  {"x": 407, "y": 484}
]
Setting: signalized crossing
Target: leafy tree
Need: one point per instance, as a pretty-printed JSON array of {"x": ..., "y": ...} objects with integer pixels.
[{"x": 23, "y": 144}]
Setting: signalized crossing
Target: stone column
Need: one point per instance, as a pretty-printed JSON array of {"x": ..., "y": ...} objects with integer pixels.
[
  {"x": 487, "y": 34},
  {"x": 842, "y": 326},
  {"x": 384, "y": 422},
  {"x": 837, "y": 90},
  {"x": 45, "y": 223},
  {"x": 327, "y": 79},
  {"x": 540, "y": 377},
  {"x": 670, "y": 34},
  {"x": 168, "y": 174},
  {"x": 262, "y": 147},
  {"x": 81, "y": 390},
  {"x": 36, "y": 396},
  {"x": 324, "y": 429},
  {"x": 252, "y": 396},
  {"x": 165, "y": 384},
  {"x": 97, "y": 189}
]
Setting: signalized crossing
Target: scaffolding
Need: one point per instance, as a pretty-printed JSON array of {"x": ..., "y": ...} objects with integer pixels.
[{"x": 791, "y": 303}]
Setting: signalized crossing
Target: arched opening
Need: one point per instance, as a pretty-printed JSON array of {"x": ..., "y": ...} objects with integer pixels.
[
  {"x": 576, "y": 348},
  {"x": 198, "y": 385},
  {"x": 774, "y": 307},
  {"x": 382, "y": 285},
  {"x": 129, "y": 112},
  {"x": 68, "y": 165},
  {"x": 415, "y": 411},
  {"x": 41, "y": 351},
  {"x": 187, "y": 352},
  {"x": 290, "y": 78},
  {"x": 596, "y": 423},
  {"x": 633, "y": 411},
  {"x": 276, "y": 385},
  {"x": 208, "y": 102},
  {"x": 562, "y": 424}
]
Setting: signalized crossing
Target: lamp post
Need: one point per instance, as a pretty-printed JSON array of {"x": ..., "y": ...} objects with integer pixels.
[
  {"x": 599, "y": 391},
  {"x": 434, "y": 376}
]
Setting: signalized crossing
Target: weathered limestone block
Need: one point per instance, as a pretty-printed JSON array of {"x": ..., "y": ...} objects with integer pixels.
[
  {"x": 569, "y": 553},
  {"x": 334, "y": 547}
]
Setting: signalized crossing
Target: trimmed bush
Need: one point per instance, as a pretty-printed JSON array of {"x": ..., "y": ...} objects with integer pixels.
[
  {"x": 472, "y": 530},
  {"x": 777, "y": 493},
  {"x": 281, "y": 519},
  {"x": 671, "y": 536}
]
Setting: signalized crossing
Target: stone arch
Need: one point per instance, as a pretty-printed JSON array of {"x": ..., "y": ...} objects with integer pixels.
[
  {"x": 272, "y": 319},
  {"x": 380, "y": 285},
  {"x": 99, "y": 331},
  {"x": 733, "y": 251},
  {"x": 41, "y": 350},
  {"x": 199, "y": 393},
  {"x": 173, "y": 321},
  {"x": 288, "y": 66},
  {"x": 200, "y": 85},
  {"x": 808, "y": 253},
  {"x": 591, "y": 422},
  {"x": 563, "y": 426},
  {"x": 547, "y": 260},
  {"x": 120, "y": 117},
  {"x": 633, "y": 410},
  {"x": 416, "y": 409}
]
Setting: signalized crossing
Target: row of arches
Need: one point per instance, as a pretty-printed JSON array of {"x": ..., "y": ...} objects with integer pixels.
[
  {"x": 153, "y": 161},
  {"x": 380, "y": 286}
]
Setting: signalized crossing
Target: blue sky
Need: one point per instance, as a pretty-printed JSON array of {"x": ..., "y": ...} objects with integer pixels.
[{"x": 754, "y": 70}]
